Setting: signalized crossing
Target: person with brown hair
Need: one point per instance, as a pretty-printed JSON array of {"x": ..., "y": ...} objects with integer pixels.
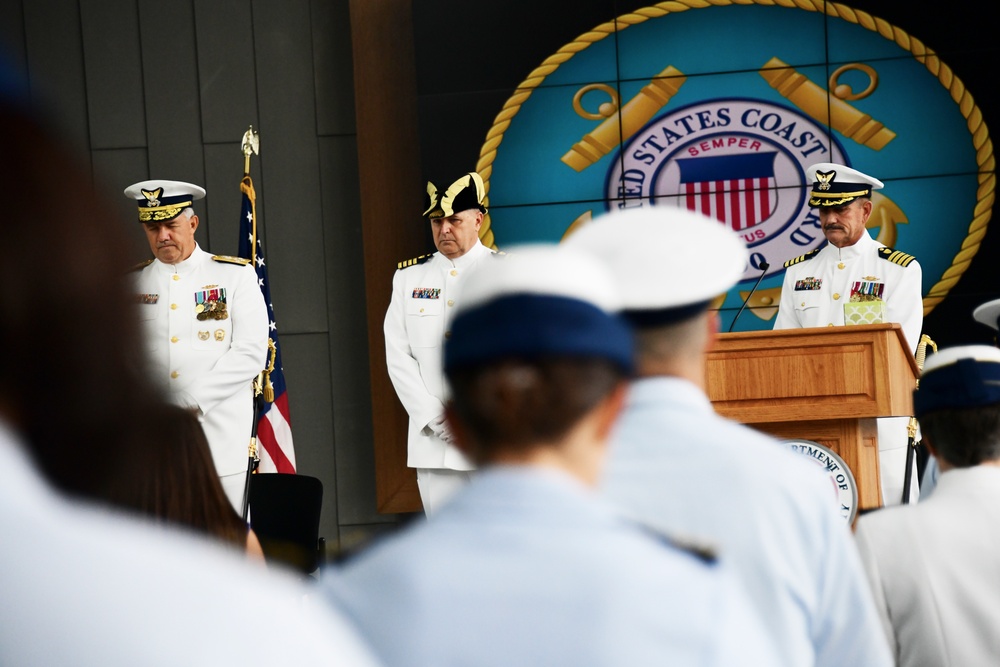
[
  {"x": 82, "y": 585},
  {"x": 175, "y": 481}
]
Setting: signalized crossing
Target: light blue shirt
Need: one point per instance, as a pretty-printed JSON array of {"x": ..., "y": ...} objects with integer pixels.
[
  {"x": 677, "y": 465},
  {"x": 525, "y": 566}
]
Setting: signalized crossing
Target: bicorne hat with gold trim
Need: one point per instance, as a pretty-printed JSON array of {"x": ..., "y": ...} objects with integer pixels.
[
  {"x": 467, "y": 191},
  {"x": 160, "y": 201},
  {"x": 837, "y": 185}
]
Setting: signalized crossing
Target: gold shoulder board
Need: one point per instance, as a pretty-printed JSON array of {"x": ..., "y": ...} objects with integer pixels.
[
  {"x": 896, "y": 256},
  {"x": 802, "y": 258},
  {"x": 414, "y": 261},
  {"x": 231, "y": 260},
  {"x": 141, "y": 265}
]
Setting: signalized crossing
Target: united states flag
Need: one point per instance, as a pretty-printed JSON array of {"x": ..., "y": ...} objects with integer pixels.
[
  {"x": 738, "y": 189},
  {"x": 274, "y": 425}
]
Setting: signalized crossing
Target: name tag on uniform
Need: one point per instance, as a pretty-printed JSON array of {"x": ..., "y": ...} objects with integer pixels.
[
  {"x": 426, "y": 293},
  {"x": 148, "y": 298},
  {"x": 808, "y": 284}
]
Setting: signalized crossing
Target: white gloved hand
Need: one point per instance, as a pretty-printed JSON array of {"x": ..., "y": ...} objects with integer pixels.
[{"x": 439, "y": 427}]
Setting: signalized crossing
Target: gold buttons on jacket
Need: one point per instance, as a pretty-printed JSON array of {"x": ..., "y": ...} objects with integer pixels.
[
  {"x": 454, "y": 272},
  {"x": 836, "y": 296},
  {"x": 174, "y": 375},
  {"x": 451, "y": 302},
  {"x": 840, "y": 266},
  {"x": 174, "y": 339},
  {"x": 173, "y": 306},
  {"x": 176, "y": 277}
]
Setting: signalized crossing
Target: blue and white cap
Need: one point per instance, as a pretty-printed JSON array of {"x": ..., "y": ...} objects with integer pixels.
[
  {"x": 669, "y": 263},
  {"x": 837, "y": 184},
  {"x": 966, "y": 376},
  {"x": 162, "y": 201},
  {"x": 539, "y": 300}
]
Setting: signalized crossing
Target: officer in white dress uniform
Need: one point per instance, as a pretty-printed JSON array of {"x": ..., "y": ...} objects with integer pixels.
[
  {"x": 853, "y": 267},
  {"x": 934, "y": 566},
  {"x": 676, "y": 464},
  {"x": 425, "y": 293},
  {"x": 526, "y": 565},
  {"x": 205, "y": 323},
  {"x": 987, "y": 314}
]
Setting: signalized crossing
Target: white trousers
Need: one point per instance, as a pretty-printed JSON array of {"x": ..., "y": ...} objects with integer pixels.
[
  {"x": 436, "y": 485},
  {"x": 892, "y": 443},
  {"x": 233, "y": 486}
]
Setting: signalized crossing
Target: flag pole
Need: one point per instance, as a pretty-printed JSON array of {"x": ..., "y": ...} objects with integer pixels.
[{"x": 251, "y": 145}]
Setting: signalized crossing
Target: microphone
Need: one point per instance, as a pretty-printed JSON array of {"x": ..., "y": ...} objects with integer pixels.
[{"x": 764, "y": 266}]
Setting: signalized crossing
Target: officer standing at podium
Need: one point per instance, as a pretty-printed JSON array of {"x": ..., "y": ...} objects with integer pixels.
[{"x": 855, "y": 274}]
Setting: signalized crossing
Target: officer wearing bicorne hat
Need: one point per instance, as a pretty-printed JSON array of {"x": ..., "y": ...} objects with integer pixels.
[
  {"x": 425, "y": 292},
  {"x": 205, "y": 323},
  {"x": 854, "y": 279}
]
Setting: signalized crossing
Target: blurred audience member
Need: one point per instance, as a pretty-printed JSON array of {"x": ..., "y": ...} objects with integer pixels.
[
  {"x": 934, "y": 567},
  {"x": 526, "y": 565},
  {"x": 175, "y": 481},
  {"x": 678, "y": 465},
  {"x": 82, "y": 586}
]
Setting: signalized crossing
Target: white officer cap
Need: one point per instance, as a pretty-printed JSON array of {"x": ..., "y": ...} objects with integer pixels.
[
  {"x": 160, "y": 201},
  {"x": 988, "y": 314},
  {"x": 539, "y": 300},
  {"x": 966, "y": 376},
  {"x": 837, "y": 184},
  {"x": 669, "y": 263}
]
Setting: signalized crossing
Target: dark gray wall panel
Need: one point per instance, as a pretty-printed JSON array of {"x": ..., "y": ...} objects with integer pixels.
[
  {"x": 331, "y": 34},
  {"x": 111, "y": 57},
  {"x": 224, "y": 30},
  {"x": 170, "y": 86},
  {"x": 348, "y": 332},
  {"x": 55, "y": 64},
  {"x": 115, "y": 170},
  {"x": 221, "y": 211},
  {"x": 290, "y": 162},
  {"x": 305, "y": 358}
]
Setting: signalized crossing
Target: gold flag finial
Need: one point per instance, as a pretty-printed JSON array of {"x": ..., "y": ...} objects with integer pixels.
[{"x": 250, "y": 145}]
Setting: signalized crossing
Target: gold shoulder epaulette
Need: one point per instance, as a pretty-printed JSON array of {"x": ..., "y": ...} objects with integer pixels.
[
  {"x": 231, "y": 260},
  {"x": 414, "y": 261},
  {"x": 141, "y": 265},
  {"x": 896, "y": 256},
  {"x": 802, "y": 258}
]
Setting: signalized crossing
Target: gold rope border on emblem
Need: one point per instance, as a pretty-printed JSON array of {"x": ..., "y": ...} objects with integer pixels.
[{"x": 985, "y": 160}]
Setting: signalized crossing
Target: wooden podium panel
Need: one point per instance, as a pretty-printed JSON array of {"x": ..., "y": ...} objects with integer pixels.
[{"x": 824, "y": 384}]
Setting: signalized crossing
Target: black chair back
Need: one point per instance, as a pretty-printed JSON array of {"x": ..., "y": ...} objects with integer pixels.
[{"x": 284, "y": 513}]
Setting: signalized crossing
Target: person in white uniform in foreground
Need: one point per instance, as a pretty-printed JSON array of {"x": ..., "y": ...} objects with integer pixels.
[
  {"x": 677, "y": 465},
  {"x": 526, "y": 565},
  {"x": 934, "y": 566}
]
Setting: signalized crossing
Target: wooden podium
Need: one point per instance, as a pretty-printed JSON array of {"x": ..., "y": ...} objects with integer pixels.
[{"x": 824, "y": 384}]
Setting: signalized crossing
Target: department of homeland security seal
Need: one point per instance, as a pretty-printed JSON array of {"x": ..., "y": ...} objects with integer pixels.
[
  {"x": 845, "y": 488},
  {"x": 697, "y": 105}
]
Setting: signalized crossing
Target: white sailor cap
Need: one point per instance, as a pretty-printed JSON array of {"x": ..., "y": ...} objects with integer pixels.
[
  {"x": 160, "y": 201},
  {"x": 669, "y": 263},
  {"x": 539, "y": 300},
  {"x": 988, "y": 314},
  {"x": 837, "y": 184},
  {"x": 965, "y": 376}
]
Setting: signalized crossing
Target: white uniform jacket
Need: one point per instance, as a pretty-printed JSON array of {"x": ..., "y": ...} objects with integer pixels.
[
  {"x": 818, "y": 284},
  {"x": 424, "y": 297},
  {"x": 137, "y": 593},
  {"x": 677, "y": 465},
  {"x": 208, "y": 363},
  {"x": 525, "y": 566},
  {"x": 934, "y": 568}
]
